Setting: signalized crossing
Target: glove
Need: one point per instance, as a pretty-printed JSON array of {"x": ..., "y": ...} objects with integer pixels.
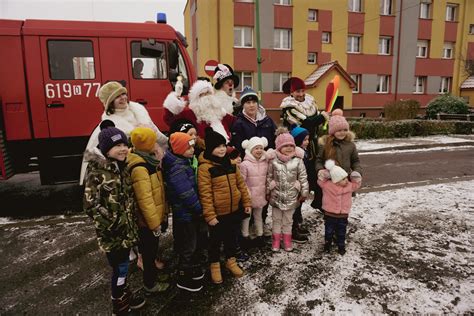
[
  {"x": 323, "y": 175},
  {"x": 356, "y": 176}
]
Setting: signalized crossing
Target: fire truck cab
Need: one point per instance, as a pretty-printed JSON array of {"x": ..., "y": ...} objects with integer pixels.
[{"x": 50, "y": 75}]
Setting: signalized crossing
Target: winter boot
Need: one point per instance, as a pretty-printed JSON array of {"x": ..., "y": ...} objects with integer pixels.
[
  {"x": 121, "y": 305},
  {"x": 186, "y": 282},
  {"x": 276, "y": 242},
  {"x": 157, "y": 288},
  {"x": 298, "y": 238},
  {"x": 234, "y": 268},
  {"x": 216, "y": 275},
  {"x": 259, "y": 242},
  {"x": 287, "y": 242},
  {"x": 302, "y": 230},
  {"x": 341, "y": 250},
  {"x": 327, "y": 246},
  {"x": 197, "y": 273}
]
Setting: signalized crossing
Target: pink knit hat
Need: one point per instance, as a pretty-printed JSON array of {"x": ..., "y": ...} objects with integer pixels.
[
  {"x": 337, "y": 122},
  {"x": 284, "y": 139}
]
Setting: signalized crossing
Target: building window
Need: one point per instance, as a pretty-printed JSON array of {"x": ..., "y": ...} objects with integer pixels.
[
  {"x": 422, "y": 49},
  {"x": 353, "y": 43},
  {"x": 420, "y": 83},
  {"x": 245, "y": 79},
  {"x": 282, "y": 2},
  {"x": 448, "y": 49},
  {"x": 382, "y": 84},
  {"x": 385, "y": 7},
  {"x": 471, "y": 28},
  {"x": 385, "y": 45},
  {"x": 326, "y": 37},
  {"x": 425, "y": 10},
  {"x": 243, "y": 36},
  {"x": 312, "y": 15},
  {"x": 312, "y": 58},
  {"x": 354, "y": 5},
  {"x": 282, "y": 39},
  {"x": 445, "y": 86},
  {"x": 250, "y": 1},
  {"x": 278, "y": 79},
  {"x": 356, "y": 78},
  {"x": 451, "y": 11}
]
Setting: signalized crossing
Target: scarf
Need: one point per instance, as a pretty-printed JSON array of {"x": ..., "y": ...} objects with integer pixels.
[
  {"x": 284, "y": 158},
  {"x": 149, "y": 158}
]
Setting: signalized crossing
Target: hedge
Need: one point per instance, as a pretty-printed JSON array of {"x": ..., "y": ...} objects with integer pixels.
[{"x": 371, "y": 129}]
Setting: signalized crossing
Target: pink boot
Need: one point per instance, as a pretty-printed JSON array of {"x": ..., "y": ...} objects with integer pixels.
[
  {"x": 276, "y": 242},
  {"x": 287, "y": 242}
]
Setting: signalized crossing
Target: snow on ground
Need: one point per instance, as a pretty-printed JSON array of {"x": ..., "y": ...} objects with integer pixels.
[
  {"x": 408, "y": 251},
  {"x": 374, "y": 144}
]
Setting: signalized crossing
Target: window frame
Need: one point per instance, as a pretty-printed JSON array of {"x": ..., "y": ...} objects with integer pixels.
[
  {"x": 352, "y": 36},
  {"x": 357, "y": 78},
  {"x": 453, "y": 16},
  {"x": 49, "y": 58},
  {"x": 388, "y": 46},
  {"x": 383, "y": 79},
  {"x": 242, "y": 76},
  {"x": 427, "y": 5},
  {"x": 445, "y": 81},
  {"x": 448, "y": 47},
  {"x": 471, "y": 29},
  {"x": 164, "y": 68},
  {"x": 281, "y": 80},
  {"x": 383, "y": 7},
  {"x": 315, "y": 58},
  {"x": 290, "y": 39},
  {"x": 328, "y": 36},
  {"x": 279, "y": 2},
  {"x": 352, "y": 5},
  {"x": 420, "y": 81},
  {"x": 418, "y": 46},
  {"x": 315, "y": 15},
  {"x": 242, "y": 36}
]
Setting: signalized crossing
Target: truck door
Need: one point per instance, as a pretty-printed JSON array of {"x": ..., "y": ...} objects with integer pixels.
[
  {"x": 148, "y": 78},
  {"x": 72, "y": 80}
]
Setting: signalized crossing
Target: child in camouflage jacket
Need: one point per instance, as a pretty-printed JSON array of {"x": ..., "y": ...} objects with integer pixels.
[{"x": 109, "y": 201}]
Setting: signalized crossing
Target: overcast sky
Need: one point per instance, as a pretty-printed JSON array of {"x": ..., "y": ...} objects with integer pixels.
[{"x": 95, "y": 10}]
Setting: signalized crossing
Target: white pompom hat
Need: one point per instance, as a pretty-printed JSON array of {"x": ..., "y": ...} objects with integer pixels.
[
  {"x": 336, "y": 172},
  {"x": 249, "y": 144}
]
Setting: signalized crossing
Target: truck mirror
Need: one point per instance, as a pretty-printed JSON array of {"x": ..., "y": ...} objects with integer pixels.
[
  {"x": 173, "y": 55},
  {"x": 151, "y": 48}
]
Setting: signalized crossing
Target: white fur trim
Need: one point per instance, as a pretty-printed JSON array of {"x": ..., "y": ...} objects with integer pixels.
[
  {"x": 199, "y": 87},
  {"x": 225, "y": 101},
  {"x": 174, "y": 104},
  {"x": 219, "y": 128}
]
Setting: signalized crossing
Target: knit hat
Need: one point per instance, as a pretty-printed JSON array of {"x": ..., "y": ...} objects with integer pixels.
[
  {"x": 143, "y": 139},
  {"x": 222, "y": 73},
  {"x": 110, "y": 136},
  {"x": 249, "y": 144},
  {"x": 336, "y": 172},
  {"x": 283, "y": 138},
  {"x": 180, "y": 142},
  {"x": 337, "y": 122},
  {"x": 109, "y": 92},
  {"x": 198, "y": 88},
  {"x": 293, "y": 84},
  {"x": 299, "y": 134},
  {"x": 213, "y": 140},
  {"x": 181, "y": 125},
  {"x": 248, "y": 94}
]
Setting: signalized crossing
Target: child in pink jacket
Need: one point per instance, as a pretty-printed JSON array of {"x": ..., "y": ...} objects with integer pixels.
[
  {"x": 254, "y": 171},
  {"x": 337, "y": 202}
]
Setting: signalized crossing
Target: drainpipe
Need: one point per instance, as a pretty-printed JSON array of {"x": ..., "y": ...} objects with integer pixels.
[
  {"x": 259, "y": 57},
  {"x": 398, "y": 50}
]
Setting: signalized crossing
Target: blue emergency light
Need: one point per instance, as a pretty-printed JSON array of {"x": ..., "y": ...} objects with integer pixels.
[{"x": 161, "y": 17}]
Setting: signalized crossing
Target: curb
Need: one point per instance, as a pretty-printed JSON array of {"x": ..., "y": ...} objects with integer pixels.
[{"x": 407, "y": 147}]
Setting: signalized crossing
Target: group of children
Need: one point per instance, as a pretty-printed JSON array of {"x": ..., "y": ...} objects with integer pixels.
[{"x": 212, "y": 198}]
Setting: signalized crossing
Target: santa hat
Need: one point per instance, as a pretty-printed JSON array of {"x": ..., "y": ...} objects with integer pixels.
[
  {"x": 299, "y": 134},
  {"x": 198, "y": 88},
  {"x": 250, "y": 144},
  {"x": 222, "y": 73},
  {"x": 337, "y": 122},
  {"x": 109, "y": 92},
  {"x": 143, "y": 139},
  {"x": 293, "y": 84},
  {"x": 180, "y": 142},
  {"x": 336, "y": 172},
  {"x": 248, "y": 94},
  {"x": 110, "y": 136}
]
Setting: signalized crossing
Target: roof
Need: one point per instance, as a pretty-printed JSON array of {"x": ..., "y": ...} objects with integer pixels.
[
  {"x": 313, "y": 79},
  {"x": 468, "y": 83}
]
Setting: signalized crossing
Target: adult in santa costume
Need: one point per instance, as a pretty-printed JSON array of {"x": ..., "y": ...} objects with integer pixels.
[
  {"x": 207, "y": 107},
  {"x": 300, "y": 109}
]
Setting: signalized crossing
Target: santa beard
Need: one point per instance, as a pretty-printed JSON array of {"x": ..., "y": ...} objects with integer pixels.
[{"x": 209, "y": 111}]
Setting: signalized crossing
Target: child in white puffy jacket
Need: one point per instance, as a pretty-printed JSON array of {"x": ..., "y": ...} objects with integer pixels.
[{"x": 287, "y": 187}]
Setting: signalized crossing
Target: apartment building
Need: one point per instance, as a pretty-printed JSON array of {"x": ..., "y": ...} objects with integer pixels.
[{"x": 383, "y": 50}]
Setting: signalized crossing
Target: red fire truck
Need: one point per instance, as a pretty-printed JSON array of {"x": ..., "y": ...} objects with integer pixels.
[{"x": 50, "y": 74}]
